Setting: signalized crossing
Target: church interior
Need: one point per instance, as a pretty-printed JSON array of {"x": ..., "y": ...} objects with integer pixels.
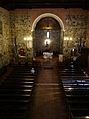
[{"x": 44, "y": 59}]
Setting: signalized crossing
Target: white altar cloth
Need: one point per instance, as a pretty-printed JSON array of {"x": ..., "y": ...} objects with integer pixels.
[{"x": 47, "y": 55}]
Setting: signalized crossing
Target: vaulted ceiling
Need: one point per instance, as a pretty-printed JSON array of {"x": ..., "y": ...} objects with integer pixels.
[{"x": 14, "y": 4}]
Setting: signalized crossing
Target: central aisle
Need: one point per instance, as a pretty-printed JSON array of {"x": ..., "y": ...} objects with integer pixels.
[{"x": 48, "y": 99}]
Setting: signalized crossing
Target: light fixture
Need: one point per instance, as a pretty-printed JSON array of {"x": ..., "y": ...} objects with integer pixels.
[
  {"x": 68, "y": 38},
  {"x": 87, "y": 117},
  {"x": 73, "y": 49},
  {"x": 28, "y": 40}
]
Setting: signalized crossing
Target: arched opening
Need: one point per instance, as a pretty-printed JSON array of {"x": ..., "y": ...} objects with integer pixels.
[{"x": 47, "y": 34}]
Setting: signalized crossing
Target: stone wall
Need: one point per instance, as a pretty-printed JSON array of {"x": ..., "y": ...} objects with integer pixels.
[
  {"x": 87, "y": 32},
  {"x": 20, "y": 28},
  {"x": 75, "y": 22},
  {"x": 5, "y": 38},
  {"x": 17, "y": 24},
  {"x": 75, "y": 28}
]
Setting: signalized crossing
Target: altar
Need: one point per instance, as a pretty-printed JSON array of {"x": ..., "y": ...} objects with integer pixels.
[{"x": 47, "y": 55}]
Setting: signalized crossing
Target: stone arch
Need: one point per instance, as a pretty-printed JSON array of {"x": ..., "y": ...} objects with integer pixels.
[
  {"x": 58, "y": 20},
  {"x": 48, "y": 15}
]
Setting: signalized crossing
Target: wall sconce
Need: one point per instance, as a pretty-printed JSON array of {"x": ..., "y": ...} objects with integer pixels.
[
  {"x": 28, "y": 39},
  {"x": 86, "y": 117},
  {"x": 68, "y": 38}
]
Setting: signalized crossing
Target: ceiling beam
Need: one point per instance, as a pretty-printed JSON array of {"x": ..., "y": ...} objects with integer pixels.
[{"x": 66, "y": 4}]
